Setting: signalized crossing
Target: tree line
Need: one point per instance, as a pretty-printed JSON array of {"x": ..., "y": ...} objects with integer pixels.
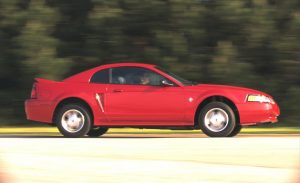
[{"x": 250, "y": 43}]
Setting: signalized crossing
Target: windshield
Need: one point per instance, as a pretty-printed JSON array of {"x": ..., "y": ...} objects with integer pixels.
[{"x": 174, "y": 76}]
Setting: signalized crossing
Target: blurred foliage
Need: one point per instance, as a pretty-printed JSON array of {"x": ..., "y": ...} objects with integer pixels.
[{"x": 250, "y": 43}]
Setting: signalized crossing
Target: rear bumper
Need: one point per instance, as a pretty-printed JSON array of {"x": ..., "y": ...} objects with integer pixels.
[
  {"x": 255, "y": 113},
  {"x": 37, "y": 110}
]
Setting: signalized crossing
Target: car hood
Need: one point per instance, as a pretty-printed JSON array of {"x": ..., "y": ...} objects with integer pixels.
[{"x": 227, "y": 88}]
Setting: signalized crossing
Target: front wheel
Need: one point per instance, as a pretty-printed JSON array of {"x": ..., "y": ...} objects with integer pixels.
[
  {"x": 217, "y": 119},
  {"x": 73, "y": 120}
]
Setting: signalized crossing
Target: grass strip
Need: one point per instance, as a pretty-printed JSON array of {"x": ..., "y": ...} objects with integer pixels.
[{"x": 49, "y": 130}]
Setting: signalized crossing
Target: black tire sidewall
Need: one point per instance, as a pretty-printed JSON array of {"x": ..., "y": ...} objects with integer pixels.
[
  {"x": 235, "y": 131},
  {"x": 87, "y": 122},
  {"x": 231, "y": 123},
  {"x": 97, "y": 131}
]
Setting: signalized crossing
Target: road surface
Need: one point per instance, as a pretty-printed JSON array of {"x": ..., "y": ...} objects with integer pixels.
[{"x": 119, "y": 158}]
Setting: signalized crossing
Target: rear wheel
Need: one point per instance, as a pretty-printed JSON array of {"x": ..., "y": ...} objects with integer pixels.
[
  {"x": 97, "y": 131},
  {"x": 73, "y": 120},
  {"x": 217, "y": 119}
]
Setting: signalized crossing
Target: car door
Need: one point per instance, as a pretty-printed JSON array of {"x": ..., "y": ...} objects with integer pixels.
[{"x": 130, "y": 100}]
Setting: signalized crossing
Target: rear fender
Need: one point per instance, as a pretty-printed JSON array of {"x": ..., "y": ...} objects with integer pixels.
[{"x": 90, "y": 100}]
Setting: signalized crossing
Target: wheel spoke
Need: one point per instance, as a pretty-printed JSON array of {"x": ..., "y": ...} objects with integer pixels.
[
  {"x": 72, "y": 120},
  {"x": 216, "y": 119}
]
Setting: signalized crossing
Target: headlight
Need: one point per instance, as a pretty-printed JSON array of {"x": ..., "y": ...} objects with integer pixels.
[{"x": 259, "y": 98}]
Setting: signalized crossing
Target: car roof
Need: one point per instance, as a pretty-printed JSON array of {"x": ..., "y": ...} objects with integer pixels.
[
  {"x": 85, "y": 75},
  {"x": 125, "y": 64}
]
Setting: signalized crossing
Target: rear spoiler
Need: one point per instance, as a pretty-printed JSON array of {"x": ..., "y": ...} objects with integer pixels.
[{"x": 41, "y": 80}]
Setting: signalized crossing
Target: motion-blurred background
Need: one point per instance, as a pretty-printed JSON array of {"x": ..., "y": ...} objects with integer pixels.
[{"x": 250, "y": 43}]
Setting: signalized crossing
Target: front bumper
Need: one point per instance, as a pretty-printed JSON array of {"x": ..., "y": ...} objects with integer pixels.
[
  {"x": 255, "y": 112},
  {"x": 37, "y": 110}
]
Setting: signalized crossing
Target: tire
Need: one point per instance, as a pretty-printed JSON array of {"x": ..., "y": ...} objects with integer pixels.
[
  {"x": 217, "y": 119},
  {"x": 73, "y": 120},
  {"x": 97, "y": 131},
  {"x": 235, "y": 131}
]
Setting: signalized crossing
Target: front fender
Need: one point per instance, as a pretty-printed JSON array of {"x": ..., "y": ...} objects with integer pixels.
[{"x": 207, "y": 94}]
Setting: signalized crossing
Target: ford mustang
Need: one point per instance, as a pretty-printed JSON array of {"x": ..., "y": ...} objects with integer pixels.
[{"x": 145, "y": 96}]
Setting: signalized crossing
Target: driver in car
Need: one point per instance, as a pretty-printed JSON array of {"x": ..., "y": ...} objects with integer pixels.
[{"x": 145, "y": 79}]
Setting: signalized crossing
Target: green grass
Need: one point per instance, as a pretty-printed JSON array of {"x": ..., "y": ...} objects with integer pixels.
[{"x": 53, "y": 130}]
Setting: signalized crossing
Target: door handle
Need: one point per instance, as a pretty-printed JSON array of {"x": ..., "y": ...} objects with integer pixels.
[{"x": 117, "y": 90}]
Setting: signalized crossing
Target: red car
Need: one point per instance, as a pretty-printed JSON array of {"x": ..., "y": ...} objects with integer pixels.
[{"x": 145, "y": 96}]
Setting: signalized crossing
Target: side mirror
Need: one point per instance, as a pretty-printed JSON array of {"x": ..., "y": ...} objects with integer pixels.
[{"x": 166, "y": 83}]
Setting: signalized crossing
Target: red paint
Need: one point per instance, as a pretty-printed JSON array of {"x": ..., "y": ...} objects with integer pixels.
[{"x": 141, "y": 105}]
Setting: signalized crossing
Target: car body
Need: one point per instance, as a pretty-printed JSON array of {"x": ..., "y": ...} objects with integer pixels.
[{"x": 114, "y": 95}]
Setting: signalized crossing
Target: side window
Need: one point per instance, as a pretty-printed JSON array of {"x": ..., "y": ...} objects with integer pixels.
[
  {"x": 136, "y": 76},
  {"x": 101, "y": 76}
]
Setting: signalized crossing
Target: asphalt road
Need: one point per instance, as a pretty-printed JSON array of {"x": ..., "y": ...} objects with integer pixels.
[{"x": 114, "y": 158}]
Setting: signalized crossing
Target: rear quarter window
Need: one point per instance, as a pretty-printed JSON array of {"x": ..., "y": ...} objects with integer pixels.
[{"x": 101, "y": 76}]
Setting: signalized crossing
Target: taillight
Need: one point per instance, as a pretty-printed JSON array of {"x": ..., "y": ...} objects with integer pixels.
[{"x": 33, "y": 91}]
